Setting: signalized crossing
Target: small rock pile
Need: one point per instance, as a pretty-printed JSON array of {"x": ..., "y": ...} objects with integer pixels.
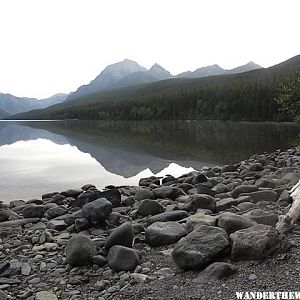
[{"x": 91, "y": 244}]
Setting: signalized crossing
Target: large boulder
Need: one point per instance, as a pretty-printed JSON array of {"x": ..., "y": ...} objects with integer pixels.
[
  {"x": 122, "y": 235},
  {"x": 200, "y": 247},
  {"x": 6, "y": 214},
  {"x": 231, "y": 222},
  {"x": 80, "y": 251},
  {"x": 121, "y": 258},
  {"x": 175, "y": 215},
  {"x": 150, "y": 207},
  {"x": 201, "y": 201},
  {"x": 256, "y": 243},
  {"x": 164, "y": 233},
  {"x": 34, "y": 211},
  {"x": 97, "y": 210}
]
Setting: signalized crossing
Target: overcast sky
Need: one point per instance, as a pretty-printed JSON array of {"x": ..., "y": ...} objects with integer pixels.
[{"x": 51, "y": 46}]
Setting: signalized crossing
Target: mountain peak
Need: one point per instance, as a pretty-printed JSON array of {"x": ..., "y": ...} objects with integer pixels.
[{"x": 156, "y": 66}]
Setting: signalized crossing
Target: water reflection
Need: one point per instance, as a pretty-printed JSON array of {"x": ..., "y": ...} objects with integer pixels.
[{"x": 38, "y": 157}]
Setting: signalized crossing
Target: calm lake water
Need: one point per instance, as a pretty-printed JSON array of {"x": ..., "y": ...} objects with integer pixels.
[{"x": 40, "y": 157}]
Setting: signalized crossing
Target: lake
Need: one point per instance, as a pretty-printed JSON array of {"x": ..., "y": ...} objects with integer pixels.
[{"x": 46, "y": 156}]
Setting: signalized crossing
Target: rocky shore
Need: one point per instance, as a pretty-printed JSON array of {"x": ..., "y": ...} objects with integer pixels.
[{"x": 205, "y": 235}]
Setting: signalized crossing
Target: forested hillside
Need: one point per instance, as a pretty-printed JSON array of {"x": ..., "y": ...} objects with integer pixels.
[{"x": 247, "y": 96}]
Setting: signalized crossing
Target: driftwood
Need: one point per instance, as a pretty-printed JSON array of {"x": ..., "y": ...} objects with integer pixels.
[{"x": 287, "y": 221}]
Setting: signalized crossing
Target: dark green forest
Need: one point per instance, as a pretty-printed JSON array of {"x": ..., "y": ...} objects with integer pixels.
[{"x": 247, "y": 96}]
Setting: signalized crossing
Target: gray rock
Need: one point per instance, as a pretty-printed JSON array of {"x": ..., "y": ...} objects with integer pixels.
[
  {"x": 168, "y": 216},
  {"x": 201, "y": 201},
  {"x": 45, "y": 295},
  {"x": 3, "y": 295},
  {"x": 216, "y": 271},
  {"x": 121, "y": 258},
  {"x": 83, "y": 199},
  {"x": 80, "y": 251},
  {"x": 34, "y": 211},
  {"x": 112, "y": 195},
  {"x": 56, "y": 212},
  {"x": 231, "y": 222},
  {"x": 242, "y": 189},
  {"x": 200, "y": 247},
  {"x": 150, "y": 207},
  {"x": 57, "y": 224},
  {"x": 262, "y": 195},
  {"x": 99, "y": 260},
  {"x": 6, "y": 214},
  {"x": 143, "y": 194},
  {"x": 72, "y": 193},
  {"x": 199, "y": 218},
  {"x": 81, "y": 224},
  {"x": 168, "y": 192},
  {"x": 256, "y": 243},
  {"x": 97, "y": 210},
  {"x": 225, "y": 203},
  {"x": 122, "y": 235},
  {"x": 244, "y": 206},
  {"x": 204, "y": 189},
  {"x": 262, "y": 216},
  {"x": 164, "y": 233},
  {"x": 148, "y": 181},
  {"x": 25, "y": 269}
]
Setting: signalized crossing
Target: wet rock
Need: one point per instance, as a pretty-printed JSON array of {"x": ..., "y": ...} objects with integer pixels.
[
  {"x": 80, "y": 251},
  {"x": 83, "y": 199},
  {"x": 121, "y": 258},
  {"x": 122, "y": 235},
  {"x": 255, "y": 243},
  {"x": 150, "y": 207},
  {"x": 231, "y": 222},
  {"x": 199, "y": 178},
  {"x": 200, "y": 247},
  {"x": 97, "y": 210},
  {"x": 6, "y": 214},
  {"x": 81, "y": 224},
  {"x": 164, "y": 233}
]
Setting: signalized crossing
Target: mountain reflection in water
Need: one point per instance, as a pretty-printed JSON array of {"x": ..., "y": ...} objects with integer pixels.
[{"x": 40, "y": 157}]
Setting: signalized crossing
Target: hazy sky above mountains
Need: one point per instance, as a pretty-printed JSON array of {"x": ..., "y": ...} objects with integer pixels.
[{"x": 53, "y": 46}]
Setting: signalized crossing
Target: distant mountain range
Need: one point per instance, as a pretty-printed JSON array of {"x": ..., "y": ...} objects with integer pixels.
[
  {"x": 217, "y": 70},
  {"x": 129, "y": 73},
  {"x": 122, "y": 74},
  {"x": 10, "y": 105}
]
